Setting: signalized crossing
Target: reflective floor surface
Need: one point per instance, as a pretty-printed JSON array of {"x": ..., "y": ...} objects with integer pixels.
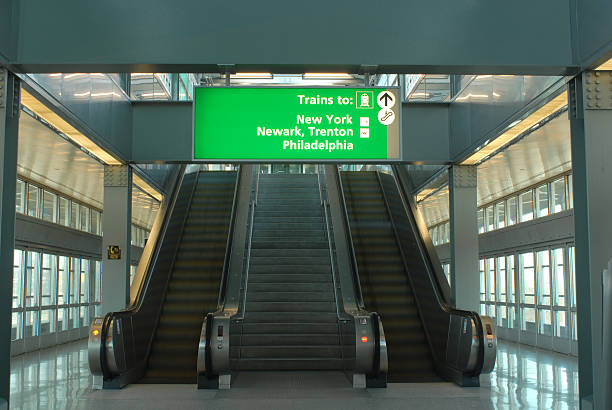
[{"x": 524, "y": 377}]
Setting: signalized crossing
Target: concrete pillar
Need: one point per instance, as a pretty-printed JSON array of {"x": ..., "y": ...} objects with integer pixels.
[
  {"x": 590, "y": 112},
  {"x": 117, "y": 232},
  {"x": 9, "y": 125},
  {"x": 465, "y": 282}
]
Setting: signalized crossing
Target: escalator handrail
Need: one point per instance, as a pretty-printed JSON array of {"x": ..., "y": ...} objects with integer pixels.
[
  {"x": 134, "y": 308},
  {"x": 349, "y": 239},
  {"x": 229, "y": 242},
  {"x": 444, "y": 305},
  {"x": 408, "y": 208},
  {"x": 247, "y": 260}
]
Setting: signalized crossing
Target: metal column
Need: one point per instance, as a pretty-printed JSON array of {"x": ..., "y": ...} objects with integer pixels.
[
  {"x": 9, "y": 125},
  {"x": 116, "y": 237},
  {"x": 465, "y": 282},
  {"x": 590, "y": 111}
]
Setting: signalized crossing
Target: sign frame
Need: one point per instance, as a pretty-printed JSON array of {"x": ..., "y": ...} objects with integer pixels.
[{"x": 398, "y": 103}]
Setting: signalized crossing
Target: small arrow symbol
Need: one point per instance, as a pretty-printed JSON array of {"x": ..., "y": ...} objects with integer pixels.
[{"x": 385, "y": 98}]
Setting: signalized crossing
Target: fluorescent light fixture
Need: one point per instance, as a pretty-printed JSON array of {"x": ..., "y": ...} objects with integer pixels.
[
  {"x": 419, "y": 94},
  {"x": 605, "y": 66},
  {"x": 517, "y": 128},
  {"x": 327, "y": 76},
  {"x": 252, "y": 76},
  {"x": 144, "y": 185},
  {"x": 41, "y": 110},
  {"x": 154, "y": 94},
  {"x": 142, "y": 74}
]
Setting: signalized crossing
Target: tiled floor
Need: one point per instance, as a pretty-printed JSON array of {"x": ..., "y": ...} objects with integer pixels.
[{"x": 524, "y": 377}]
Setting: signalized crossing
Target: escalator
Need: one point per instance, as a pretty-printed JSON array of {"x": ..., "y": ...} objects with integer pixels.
[
  {"x": 384, "y": 282},
  {"x": 402, "y": 280},
  {"x": 193, "y": 288},
  {"x": 156, "y": 339}
]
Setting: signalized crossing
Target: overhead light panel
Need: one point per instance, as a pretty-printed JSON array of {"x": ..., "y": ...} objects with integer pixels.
[
  {"x": 41, "y": 110},
  {"x": 146, "y": 187},
  {"x": 605, "y": 66},
  {"x": 252, "y": 76},
  {"x": 327, "y": 76},
  {"x": 516, "y": 128}
]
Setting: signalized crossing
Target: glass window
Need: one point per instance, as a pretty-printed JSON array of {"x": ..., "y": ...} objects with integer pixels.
[
  {"x": 572, "y": 272},
  {"x": 33, "y": 201},
  {"x": 527, "y": 273},
  {"x": 98, "y": 281},
  {"x": 18, "y": 275},
  {"x": 64, "y": 211},
  {"x": 84, "y": 281},
  {"x": 511, "y": 211},
  {"x": 84, "y": 218},
  {"x": 558, "y": 277},
  {"x": 62, "y": 280},
  {"x": 84, "y": 316},
  {"x": 62, "y": 319},
  {"x": 32, "y": 279},
  {"x": 526, "y": 206},
  {"x": 490, "y": 278},
  {"x": 74, "y": 317},
  {"x": 570, "y": 191},
  {"x": 490, "y": 218},
  {"x": 541, "y": 194},
  {"x": 561, "y": 324},
  {"x": 133, "y": 236},
  {"x": 75, "y": 274},
  {"x": 31, "y": 323},
  {"x": 47, "y": 321},
  {"x": 557, "y": 195},
  {"x": 16, "y": 326},
  {"x": 480, "y": 216},
  {"x": 500, "y": 215},
  {"x": 48, "y": 288},
  {"x": 74, "y": 215},
  {"x": 20, "y": 198},
  {"x": 545, "y": 322},
  {"x": 446, "y": 268},
  {"x": 49, "y": 206},
  {"x": 481, "y": 265},
  {"x": 434, "y": 235},
  {"x": 132, "y": 273},
  {"x": 501, "y": 283},
  {"x": 95, "y": 222},
  {"x": 510, "y": 273},
  {"x": 543, "y": 277}
]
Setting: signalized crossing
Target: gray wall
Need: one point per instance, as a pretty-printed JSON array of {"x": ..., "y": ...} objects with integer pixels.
[
  {"x": 594, "y": 31},
  {"x": 499, "y": 101},
  {"x": 35, "y": 233},
  {"x": 94, "y": 104},
  {"x": 417, "y": 36}
]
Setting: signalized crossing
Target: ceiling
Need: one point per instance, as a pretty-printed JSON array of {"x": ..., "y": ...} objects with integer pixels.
[
  {"x": 542, "y": 154},
  {"x": 48, "y": 159}
]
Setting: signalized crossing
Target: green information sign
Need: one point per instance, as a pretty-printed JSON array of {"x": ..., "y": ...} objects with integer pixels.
[{"x": 292, "y": 124}]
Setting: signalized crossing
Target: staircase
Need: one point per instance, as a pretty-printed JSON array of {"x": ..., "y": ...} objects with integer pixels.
[
  {"x": 194, "y": 285},
  {"x": 290, "y": 321}
]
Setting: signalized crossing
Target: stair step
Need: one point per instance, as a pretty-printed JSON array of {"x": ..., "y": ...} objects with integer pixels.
[
  {"x": 271, "y": 296},
  {"x": 278, "y": 307}
]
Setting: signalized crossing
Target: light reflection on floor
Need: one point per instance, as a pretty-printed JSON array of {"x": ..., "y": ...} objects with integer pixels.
[{"x": 524, "y": 377}]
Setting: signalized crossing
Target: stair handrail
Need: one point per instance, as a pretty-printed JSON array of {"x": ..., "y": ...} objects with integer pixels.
[
  {"x": 228, "y": 243},
  {"x": 349, "y": 239}
]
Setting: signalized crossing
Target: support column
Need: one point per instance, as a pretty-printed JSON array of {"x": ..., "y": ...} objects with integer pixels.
[
  {"x": 117, "y": 233},
  {"x": 590, "y": 112},
  {"x": 9, "y": 125},
  {"x": 465, "y": 282}
]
